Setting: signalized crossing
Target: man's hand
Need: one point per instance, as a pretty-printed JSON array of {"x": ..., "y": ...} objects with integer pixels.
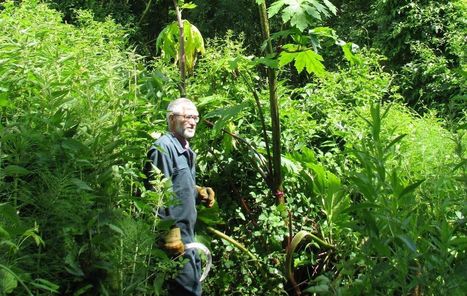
[
  {"x": 206, "y": 195},
  {"x": 173, "y": 242}
]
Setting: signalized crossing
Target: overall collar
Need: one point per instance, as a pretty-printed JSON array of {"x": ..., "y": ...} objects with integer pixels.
[{"x": 178, "y": 144}]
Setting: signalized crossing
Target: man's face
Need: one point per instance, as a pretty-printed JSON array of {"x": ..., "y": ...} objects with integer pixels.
[{"x": 184, "y": 122}]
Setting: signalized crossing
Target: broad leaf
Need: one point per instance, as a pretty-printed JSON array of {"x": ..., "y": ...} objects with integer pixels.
[
  {"x": 311, "y": 61},
  {"x": 301, "y": 13},
  {"x": 168, "y": 43}
]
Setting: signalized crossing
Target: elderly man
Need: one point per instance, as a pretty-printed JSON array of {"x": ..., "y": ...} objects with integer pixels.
[{"x": 172, "y": 155}]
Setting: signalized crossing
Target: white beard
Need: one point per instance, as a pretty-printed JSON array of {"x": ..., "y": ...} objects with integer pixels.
[{"x": 185, "y": 132}]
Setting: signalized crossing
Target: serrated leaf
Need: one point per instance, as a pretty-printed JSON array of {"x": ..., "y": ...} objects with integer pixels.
[
  {"x": 310, "y": 61},
  {"x": 312, "y": 11},
  {"x": 321, "y": 288},
  {"x": 348, "y": 54},
  {"x": 286, "y": 57},
  {"x": 274, "y": 8},
  {"x": 330, "y": 6},
  {"x": 209, "y": 216},
  {"x": 194, "y": 44},
  {"x": 297, "y": 16}
]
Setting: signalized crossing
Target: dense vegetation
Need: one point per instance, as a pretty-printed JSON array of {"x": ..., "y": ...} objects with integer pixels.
[{"x": 372, "y": 119}]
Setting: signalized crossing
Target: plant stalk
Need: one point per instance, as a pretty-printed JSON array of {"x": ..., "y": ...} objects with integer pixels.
[
  {"x": 233, "y": 242},
  {"x": 182, "y": 57},
  {"x": 273, "y": 101}
]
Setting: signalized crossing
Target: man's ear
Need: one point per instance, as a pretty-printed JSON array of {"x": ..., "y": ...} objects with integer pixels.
[{"x": 171, "y": 121}]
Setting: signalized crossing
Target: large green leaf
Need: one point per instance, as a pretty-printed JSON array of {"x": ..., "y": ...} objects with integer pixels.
[
  {"x": 168, "y": 43},
  {"x": 301, "y": 13},
  {"x": 311, "y": 61}
]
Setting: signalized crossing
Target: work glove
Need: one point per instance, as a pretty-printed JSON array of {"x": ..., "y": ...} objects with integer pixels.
[
  {"x": 206, "y": 195},
  {"x": 173, "y": 242}
]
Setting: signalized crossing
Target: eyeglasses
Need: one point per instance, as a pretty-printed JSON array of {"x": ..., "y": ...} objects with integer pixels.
[{"x": 188, "y": 117}]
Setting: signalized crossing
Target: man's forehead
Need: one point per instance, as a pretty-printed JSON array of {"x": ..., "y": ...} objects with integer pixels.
[{"x": 190, "y": 109}]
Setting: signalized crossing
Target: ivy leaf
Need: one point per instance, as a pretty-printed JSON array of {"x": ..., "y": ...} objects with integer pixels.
[{"x": 311, "y": 61}]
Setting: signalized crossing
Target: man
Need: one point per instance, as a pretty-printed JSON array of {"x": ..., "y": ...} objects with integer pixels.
[{"x": 172, "y": 155}]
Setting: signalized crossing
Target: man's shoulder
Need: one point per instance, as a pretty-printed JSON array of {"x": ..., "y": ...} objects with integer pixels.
[{"x": 164, "y": 141}]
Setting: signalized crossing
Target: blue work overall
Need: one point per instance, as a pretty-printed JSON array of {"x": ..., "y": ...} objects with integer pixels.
[{"x": 178, "y": 164}]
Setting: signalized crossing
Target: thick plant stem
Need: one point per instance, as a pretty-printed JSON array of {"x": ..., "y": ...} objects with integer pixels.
[
  {"x": 233, "y": 242},
  {"x": 273, "y": 101},
  {"x": 263, "y": 125},
  {"x": 181, "y": 58}
]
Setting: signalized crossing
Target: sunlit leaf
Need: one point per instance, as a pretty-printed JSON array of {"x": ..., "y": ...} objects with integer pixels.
[
  {"x": 189, "y": 5},
  {"x": 311, "y": 61}
]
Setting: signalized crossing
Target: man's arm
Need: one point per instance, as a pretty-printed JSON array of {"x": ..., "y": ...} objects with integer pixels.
[{"x": 160, "y": 159}]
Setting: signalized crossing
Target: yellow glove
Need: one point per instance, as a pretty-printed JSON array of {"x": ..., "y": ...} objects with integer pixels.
[
  {"x": 206, "y": 195},
  {"x": 173, "y": 241}
]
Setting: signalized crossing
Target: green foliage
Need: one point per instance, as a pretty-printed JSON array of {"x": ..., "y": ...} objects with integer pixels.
[
  {"x": 168, "y": 43},
  {"x": 301, "y": 13},
  {"x": 362, "y": 171},
  {"x": 73, "y": 131},
  {"x": 422, "y": 42}
]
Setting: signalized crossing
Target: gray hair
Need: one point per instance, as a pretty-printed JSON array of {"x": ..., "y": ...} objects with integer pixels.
[{"x": 176, "y": 106}]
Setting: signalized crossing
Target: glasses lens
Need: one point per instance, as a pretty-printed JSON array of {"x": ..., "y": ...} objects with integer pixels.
[
  {"x": 188, "y": 117},
  {"x": 194, "y": 117}
]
